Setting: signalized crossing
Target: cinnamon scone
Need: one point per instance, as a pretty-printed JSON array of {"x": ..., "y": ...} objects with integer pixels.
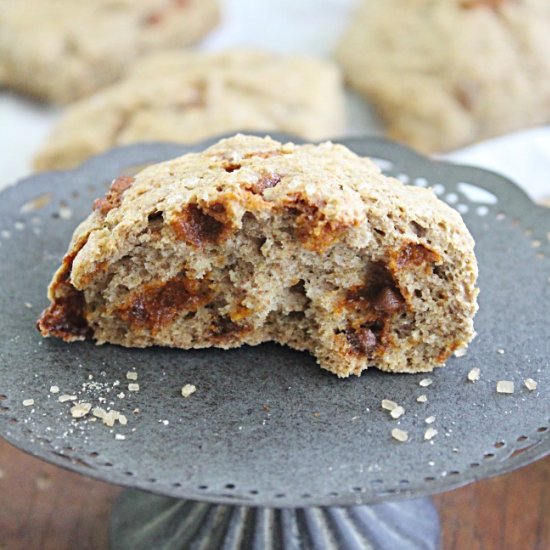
[
  {"x": 186, "y": 97},
  {"x": 62, "y": 50},
  {"x": 253, "y": 241},
  {"x": 443, "y": 74}
]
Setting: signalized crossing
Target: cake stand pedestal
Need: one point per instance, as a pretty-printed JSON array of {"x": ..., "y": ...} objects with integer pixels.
[
  {"x": 271, "y": 451},
  {"x": 141, "y": 520}
]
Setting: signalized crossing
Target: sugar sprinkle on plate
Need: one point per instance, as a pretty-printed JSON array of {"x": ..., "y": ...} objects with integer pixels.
[
  {"x": 389, "y": 405},
  {"x": 65, "y": 397},
  {"x": 80, "y": 410},
  {"x": 400, "y": 435},
  {"x": 398, "y": 412},
  {"x": 188, "y": 389},
  {"x": 430, "y": 433},
  {"x": 474, "y": 374},
  {"x": 505, "y": 386}
]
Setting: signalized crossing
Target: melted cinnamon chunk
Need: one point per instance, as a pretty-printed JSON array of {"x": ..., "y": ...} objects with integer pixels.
[
  {"x": 267, "y": 181},
  {"x": 231, "y": 166},
  {"x": 379, "y": 296},
  {"x": 224, "y": 326},
  {"x": 157, "y": 304},
  {"x": 240, "y": 312},
  {"x": 362, "y": 341},
  {"x": 65, "y": 318},
  {"x": 416, "y": 255},
  {"x": 388, "y": 301},
  {"x": 372, "y": 305},
  {"x": 113, "y": 197},
  {"x": 202, "y": 225},
  {"x": 225, "y": 330},
  {"x": 311, "y": 226}
]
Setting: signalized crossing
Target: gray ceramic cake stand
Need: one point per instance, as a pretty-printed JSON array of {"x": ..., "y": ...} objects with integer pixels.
[{"x": 271, "y": 451}]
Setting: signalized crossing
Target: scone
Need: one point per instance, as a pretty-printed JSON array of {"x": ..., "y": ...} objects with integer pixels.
[
  {"x": 444, "y": 74},
  {"x": 254, "y": 241},
  {"x": 187, "y": 97},
  {"x": 62, "y": 50}
]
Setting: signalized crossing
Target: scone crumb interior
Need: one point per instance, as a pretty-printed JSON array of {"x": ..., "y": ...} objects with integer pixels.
[{"x": 253, "y": 241}]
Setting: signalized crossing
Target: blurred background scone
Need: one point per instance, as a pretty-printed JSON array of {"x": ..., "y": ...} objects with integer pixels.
[
  {"x": 443, "y": 74},
  {"x": 62, "y": 50},
  {"x": 189, "y": 96}
]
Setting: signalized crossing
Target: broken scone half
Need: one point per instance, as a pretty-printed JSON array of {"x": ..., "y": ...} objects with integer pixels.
[{"x": 253, "y": 241}]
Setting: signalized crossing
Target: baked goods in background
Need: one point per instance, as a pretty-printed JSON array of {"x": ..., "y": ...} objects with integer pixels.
[
  {"x": 62, "y": 50},
  {"x": 252, "y": 241},
  {"x": 186, "y": 97},
  {"x": 445, "y": 74}
]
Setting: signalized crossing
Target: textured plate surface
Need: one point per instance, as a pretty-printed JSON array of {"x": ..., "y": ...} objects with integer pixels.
[{"x": 266, "y": 426}]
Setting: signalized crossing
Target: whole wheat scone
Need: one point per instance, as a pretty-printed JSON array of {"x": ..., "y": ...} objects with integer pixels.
[
  {"x": 189, "y": 96},
  {"x": 253, "y": 241},
  {"x": 62, "y": 50},
  {"x": 443, "y": 74}
]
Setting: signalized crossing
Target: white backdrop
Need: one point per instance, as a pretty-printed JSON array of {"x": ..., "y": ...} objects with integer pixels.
[{"x": 306, "y": 26}]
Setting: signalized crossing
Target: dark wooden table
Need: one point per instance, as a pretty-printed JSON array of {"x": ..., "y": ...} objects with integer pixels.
[{"x": 43, "y": 507}]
